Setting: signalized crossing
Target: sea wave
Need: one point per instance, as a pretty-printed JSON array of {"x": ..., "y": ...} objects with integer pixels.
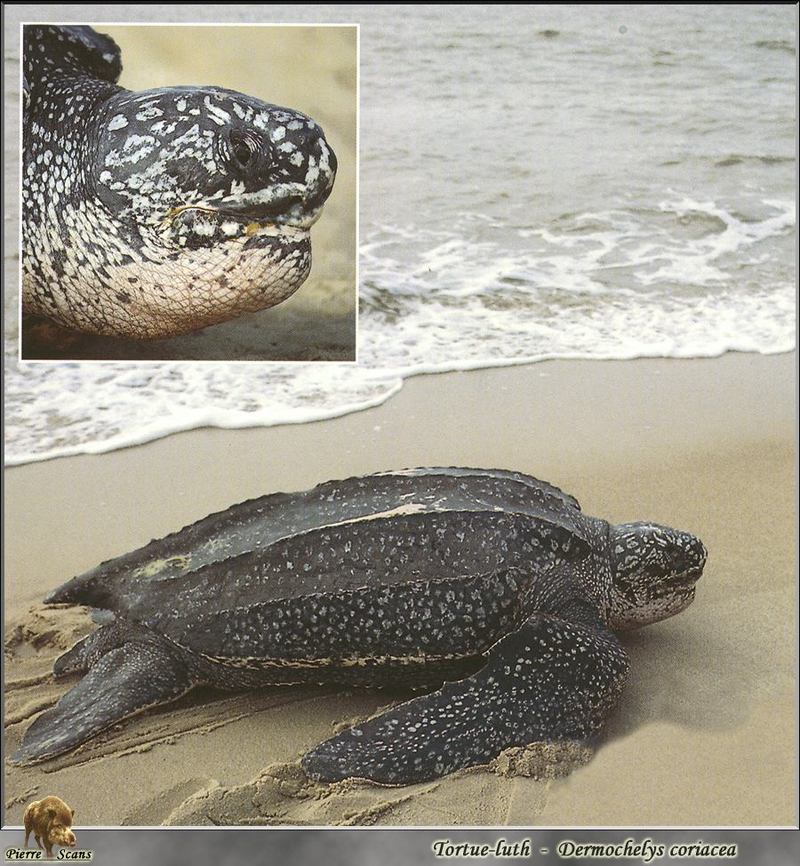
[{"x": 683, "y": 278}]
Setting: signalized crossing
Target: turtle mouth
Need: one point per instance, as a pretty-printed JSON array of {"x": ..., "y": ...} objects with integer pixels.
[
  {"x": 291, "y": 212},
  {"x": 288, "y": 209},
  {"x": 682, "y": 583},
  {"x": 277, "y": 226}
]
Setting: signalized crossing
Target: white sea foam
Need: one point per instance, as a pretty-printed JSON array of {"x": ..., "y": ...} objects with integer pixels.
[
  {"x": 674, "y": 154},
  {"x": 684, "y": 278}
]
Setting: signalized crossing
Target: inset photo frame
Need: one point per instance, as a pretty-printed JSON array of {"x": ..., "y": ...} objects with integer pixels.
[{"x": 170, "y": 179}]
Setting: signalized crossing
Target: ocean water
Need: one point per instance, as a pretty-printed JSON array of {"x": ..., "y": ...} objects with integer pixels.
[{"x": 536, "y": 183}]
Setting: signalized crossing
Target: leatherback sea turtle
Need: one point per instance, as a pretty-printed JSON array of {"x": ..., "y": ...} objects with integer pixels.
[
  {"x": 488, "y": 581},
  {"x": 155, "y": 213}
]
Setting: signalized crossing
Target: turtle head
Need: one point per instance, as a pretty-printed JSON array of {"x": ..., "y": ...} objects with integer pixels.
[
  {"x": 654, "y": 571},
  {"x": 211, "y": 194},
  {"x": 160, "y": 211},
  {"x": 209, "y": 165}
]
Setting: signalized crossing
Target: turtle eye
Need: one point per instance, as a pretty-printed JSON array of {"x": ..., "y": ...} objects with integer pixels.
[{"x": 241, "y": 148}]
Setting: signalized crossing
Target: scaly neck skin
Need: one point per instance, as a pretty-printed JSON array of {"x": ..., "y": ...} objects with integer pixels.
[
  {"x": 595, "y": 571},
  {"x": 60, "y": 143},
  {"x": 68, "y": 233},
  {"x": 577, "y": 589}
]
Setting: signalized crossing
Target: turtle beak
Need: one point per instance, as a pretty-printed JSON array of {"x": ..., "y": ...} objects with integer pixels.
[
  {"x": 696, "y": 555},
  {"x": 689, "y": 566},
  {"x": 285, "y": 187},
  {"x": 292, "y": 209}
]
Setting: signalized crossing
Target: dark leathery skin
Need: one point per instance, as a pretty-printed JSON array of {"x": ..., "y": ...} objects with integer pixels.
[{"x": 487, "y": 587}]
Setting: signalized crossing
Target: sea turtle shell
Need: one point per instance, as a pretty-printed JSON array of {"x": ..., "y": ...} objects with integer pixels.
[{"x": 490, "y": 578}]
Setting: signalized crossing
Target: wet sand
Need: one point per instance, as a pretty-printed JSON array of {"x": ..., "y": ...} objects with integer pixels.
[{"x": 705, "y": 731}]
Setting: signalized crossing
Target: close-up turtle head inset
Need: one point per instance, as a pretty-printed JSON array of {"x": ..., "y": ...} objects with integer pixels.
[{"x": 154, "y": 213}]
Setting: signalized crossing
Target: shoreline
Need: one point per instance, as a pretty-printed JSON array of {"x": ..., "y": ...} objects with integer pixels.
[
  {"x": 98, "y": 448},
  {"x": 705, "y": 731}
]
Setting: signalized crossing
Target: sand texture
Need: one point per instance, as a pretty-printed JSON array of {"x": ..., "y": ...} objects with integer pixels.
[{"x": 704, "y": 734}]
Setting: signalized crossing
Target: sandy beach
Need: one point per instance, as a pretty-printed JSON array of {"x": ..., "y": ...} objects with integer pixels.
[{"x": 705, "y": 731}]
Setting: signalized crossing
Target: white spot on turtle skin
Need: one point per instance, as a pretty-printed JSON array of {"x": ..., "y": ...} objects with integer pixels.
[
  {"x": 204, "y": 229},
  {"x": 215, "y": 113},
  {"x": 324, "y": 157},
  {"x": 149, "y": 113},
  {"x": 313, "y": 172},
  {"x": 163, "y": 127},
  {"x": 278, "y": 134},
  {"x": 118, "y": 121}
]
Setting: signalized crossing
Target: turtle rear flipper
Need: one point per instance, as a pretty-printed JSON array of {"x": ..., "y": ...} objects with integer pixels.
[
  {"x": 125, "y": 681},
  {"x": 549, "y": 680},
  {"x": 74, "y": 660},
  {"x": 83, "y": 655}
]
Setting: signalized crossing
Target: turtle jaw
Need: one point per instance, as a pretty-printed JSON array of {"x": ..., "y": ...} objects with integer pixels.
[
  {"x": 206, "y": 223},
  {"x": 202, "y": 225},
  {"x": 186, "y": 271},
  {"x": 294, "y": 206},
  {"x": 290, "y": 210},
  {"x": 683, "y": 582},
  {"x": 650, "y": 604},
  {"x": 678, "y": 594},
  {"x": 630, "y": 618}
]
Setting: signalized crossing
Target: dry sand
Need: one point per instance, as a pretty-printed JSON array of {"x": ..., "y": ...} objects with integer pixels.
[{"x": 705, "y": 733}]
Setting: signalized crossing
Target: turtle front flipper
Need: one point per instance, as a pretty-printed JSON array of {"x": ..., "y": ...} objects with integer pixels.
[
  {"x": 124, "y": 681},
  {"x": 549, "y": 680}
]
